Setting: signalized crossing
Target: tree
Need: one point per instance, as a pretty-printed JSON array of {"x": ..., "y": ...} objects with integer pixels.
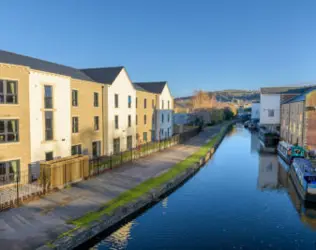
[{"x": 202, "y": 100}]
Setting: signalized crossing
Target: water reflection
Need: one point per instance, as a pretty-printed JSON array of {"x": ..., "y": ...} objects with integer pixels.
[
  {"x": 268, "y": 172},
  {"x": 254, "y": 142}
]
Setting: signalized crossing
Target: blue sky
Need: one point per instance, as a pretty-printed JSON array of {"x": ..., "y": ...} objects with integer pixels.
[{"x": 208, "y": 45}]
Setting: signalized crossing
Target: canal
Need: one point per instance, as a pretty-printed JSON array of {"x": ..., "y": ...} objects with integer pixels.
[{"x": 239, "y": 200}]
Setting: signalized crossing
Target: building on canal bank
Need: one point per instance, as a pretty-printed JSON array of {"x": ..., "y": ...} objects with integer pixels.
[
  {"x": 163, "y": 122},
  {"x": 270, "y": 104},
  {"x": 298, "y": 119},
  {"x": 255, "y": 110}
]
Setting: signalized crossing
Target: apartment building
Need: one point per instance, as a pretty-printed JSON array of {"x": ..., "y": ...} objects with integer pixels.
[
  {"x": 298, "y": 119},
  {"x": 119, "y": 108},
  {"x": 14, "y": 121},
  {"x": 145, "y": 115},
  {"x": 164, "y": 108}
]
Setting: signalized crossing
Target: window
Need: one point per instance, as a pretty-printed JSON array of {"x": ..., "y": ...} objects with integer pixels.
[
  {"x": 116, "y": 122},
  {"x": 96, "y": 99},
  {"x": 168, "y": 117},
  {"x": 48, "y": 97},
  {"x": 75, "y": 124},
  {"x": 8, "y": 92},
  {"x": 116, "y": 146},
  {"x": 96, "y": 123},
  {"x": 136, "y": 120},
  {"x": 75, "y": 98},
  {"x": 162, "y": 104},
  {"x": 49, "y": 156},
  {"x": 8, "y": 170},
  {"x": 145, "y": 119},
  {"x": 153, "y": 103},
  {"x": 116, "y": 101},
  {"x": 129, "y": 121},
  {"x": 136, "y": 102},
  {"x": 162, "y": 118},
  {"x": 145, "y": 103},
  {"x": 129, "y": 100},
  {"x": 76, "y": 150},
  {"x": 168, "y": 131},
  {"x": 168, "y": 104},
  {"x": 270, "y": 112},
  {"x": 9, "y": 131},
  {"x": 96, "y": 148},
  {"x": 153, "y": 135},
  {"x": 153, "y": 120},
  {"x": 145, "y": 136},
  {"x": 129, "y": 142},
  {"x": 49, "y": 126}
]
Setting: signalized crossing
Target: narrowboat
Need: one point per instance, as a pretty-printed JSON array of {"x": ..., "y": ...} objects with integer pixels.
[
  {"x": 288, "y": 151},
  {"x": 303, "y": 174},
  {"x": 268, "y": 140}
]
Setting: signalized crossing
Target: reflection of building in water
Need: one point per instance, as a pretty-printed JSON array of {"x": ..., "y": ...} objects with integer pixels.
[
  {"x": 305, "y": 210},
  {"x": 254, "y": 142},
  {"x": 165, "y": 202},
  {"x": 268, "y": 171},
  {"x": 273, "y": 172},
  {"x": 119, "y": 239},
  {"x": 233, "y": 131}
]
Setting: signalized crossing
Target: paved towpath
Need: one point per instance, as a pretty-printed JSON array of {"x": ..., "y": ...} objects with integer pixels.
[{"x": 40, "y": 221}]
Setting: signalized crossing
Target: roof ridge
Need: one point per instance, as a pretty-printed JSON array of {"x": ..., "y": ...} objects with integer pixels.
[{"x": 112, "y": 67}]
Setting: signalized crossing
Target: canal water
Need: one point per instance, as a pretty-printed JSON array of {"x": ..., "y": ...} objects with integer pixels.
[{"x": 240, "y": 200}]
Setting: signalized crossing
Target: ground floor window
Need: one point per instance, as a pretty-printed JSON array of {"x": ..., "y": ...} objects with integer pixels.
[
  {"x": 129, "y": 142},
  {"x": 153, "y": 135},
  {"x": 76, "y": 150},
  {"x": 145, "y": 136},
  {"x": 116, "y": 146},
  {"x": 96, "y": 148},
  {"x": 9, "y": 171},
  {"x": 49, "y": 156}
]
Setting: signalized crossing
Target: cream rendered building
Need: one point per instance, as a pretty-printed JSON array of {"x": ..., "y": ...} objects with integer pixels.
[{"x": 119, "y": 108}]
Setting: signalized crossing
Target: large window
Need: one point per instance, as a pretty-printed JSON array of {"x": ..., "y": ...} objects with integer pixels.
[
  {"x": 8, "y": 92},
  {"x": 76, "y": 150},
  {"x": 49, "y": 125},
  {"x": 136, "y": 102},
  {"x": 136, "y": 120},
  {"x": 9, "y": 131},
  {"x": 75, "y": 98},
  {"x": 162, "y": 118},
  {"x": 96, "y": 123},
  {"x": 145, "y": 103},
  {"x": 116, "y": 146},
  {"x": 129, "y": 142},
  {"x": 49, "y": 156},
  {"x": 48, "y": 97},
  {"x": 116, "y": 121},
  {"x": 116, "y": 101},
  {"x": 129, "y": 100},
  {"x": 129, "y": 121},
  {"x": 9, "y": 171},
  {"x": 75, "y": 124},
  {"x": 270, "y": 112},
  {"x": 96, "y": 99},
  {"x": 145, "y": 119},
  {"x": 168, "y": 117},
  {"x": 96, "y": 148}
]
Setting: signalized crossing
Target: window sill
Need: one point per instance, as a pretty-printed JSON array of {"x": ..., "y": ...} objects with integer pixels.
[
  {"x": 47, "y": 142},
  {"x": 11, "y": 105},
  {"x": 44, "y": 109},
  {"x": 9, "y": 143}
]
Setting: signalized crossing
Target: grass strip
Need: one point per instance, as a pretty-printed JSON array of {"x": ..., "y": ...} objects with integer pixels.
[{"x": 143, "y": 188}]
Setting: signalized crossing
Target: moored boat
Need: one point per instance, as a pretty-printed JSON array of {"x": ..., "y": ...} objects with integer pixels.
[
  {"x": 303, "y": 174},
  {"x": 288, "y": 151}
]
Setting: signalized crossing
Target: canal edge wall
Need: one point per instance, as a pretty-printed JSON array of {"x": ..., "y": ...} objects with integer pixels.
[{"x": 82, "y": 235}]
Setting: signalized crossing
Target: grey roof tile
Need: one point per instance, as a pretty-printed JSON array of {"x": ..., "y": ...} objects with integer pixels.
[
  {"x": 105, "y": 75},
  {"x": 154, "y": 87},
  {"x": 38, "y": 64}
]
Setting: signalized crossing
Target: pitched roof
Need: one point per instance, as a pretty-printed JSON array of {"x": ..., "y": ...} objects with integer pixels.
[
  {"x": 301, "y": 97},
  {"x": 103, "y": 75},
  {"x": 154, "y": 87},
  {"x": 38, "y": 64},
  {"x": 284, "y": 90},
  {"x": 138, "y": 87}
]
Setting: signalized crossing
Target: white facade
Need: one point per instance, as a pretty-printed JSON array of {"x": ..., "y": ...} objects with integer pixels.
[
  {"x": 255, "y": 111},
  {"x": 270, "y": 109},
  {"x": 164, "y": 115},
  {"x": 122, "y": 86},
  {"x": 60, "y": 146}
]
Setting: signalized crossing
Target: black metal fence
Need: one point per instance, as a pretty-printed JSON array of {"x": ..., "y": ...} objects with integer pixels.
[{"x": 20, "y": 186}]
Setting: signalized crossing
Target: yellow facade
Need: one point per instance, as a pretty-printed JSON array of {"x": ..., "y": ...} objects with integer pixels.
[
  {"x": 19, "y": 150},
  {"x": 147, "y": 113},
  {"x": 86, "y": 111}
]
